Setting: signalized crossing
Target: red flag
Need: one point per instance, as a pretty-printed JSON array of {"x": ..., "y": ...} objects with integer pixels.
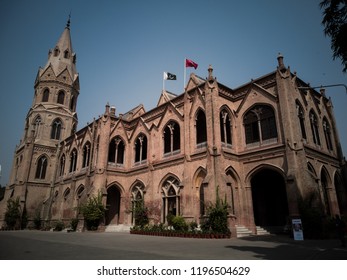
[{"x": 190, "y": 63}]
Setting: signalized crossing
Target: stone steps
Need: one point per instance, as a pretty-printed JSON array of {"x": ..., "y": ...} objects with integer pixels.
[
  {"x": 117, "y": 228},
  {"x": 242, "y": 231}
]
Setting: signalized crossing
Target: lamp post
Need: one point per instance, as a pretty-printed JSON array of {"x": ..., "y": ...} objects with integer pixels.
[{"x": 336, "y": 85}]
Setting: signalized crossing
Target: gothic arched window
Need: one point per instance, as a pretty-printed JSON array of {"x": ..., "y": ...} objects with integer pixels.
[
  {"x": 116, "y": 151},
  {"x": 314, "y": 128},
  {"x": 171, "y": 197},
  {"x": 86, "y": 155},
  {"x": 41, "y": 168},
  {"x": 73, "y": 160},
  {"x": 72, "y": 103},
  {"x": 61, "y": 97},
  {"x": 225, "y": 128},
  {"x": 62, "y": 165},
  {"x": 172, "y": 138},
  {"x": 36, "y": 126},
  {"x": 327, "y": 134},
  {"x": 201, "y": 130},
  {"x": 137, "y": 199},
  {"x": 260, "y": 124},
  {"x": 301, "y": 116},
  {"x": 56, "y": 129},
  {"x": 45, "y": 95},
  {"x": 141, "y": 149}
]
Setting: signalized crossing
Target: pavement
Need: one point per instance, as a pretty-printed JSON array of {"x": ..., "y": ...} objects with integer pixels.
[{"x": 47, "y": 245}]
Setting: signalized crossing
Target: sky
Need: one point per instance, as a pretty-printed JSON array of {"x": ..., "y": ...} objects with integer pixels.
[{"x": 123, "y": 48}]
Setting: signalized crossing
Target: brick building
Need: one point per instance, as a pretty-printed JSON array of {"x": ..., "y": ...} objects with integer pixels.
[{"x": 267, "y": 145}]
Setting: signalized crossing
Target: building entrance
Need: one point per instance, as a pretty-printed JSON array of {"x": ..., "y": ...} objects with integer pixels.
[
  {"x": 269, "y": 196},
  {"x": 113, "y": 205}
]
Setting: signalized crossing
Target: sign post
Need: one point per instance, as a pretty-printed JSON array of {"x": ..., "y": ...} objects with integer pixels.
[{"x": 297, "y": 229}]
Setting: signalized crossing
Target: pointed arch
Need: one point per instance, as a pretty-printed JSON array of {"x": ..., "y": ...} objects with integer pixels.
[
  {"x": 314, "y": 127},
  {"x": 137, "y": 197},
  {"x": 45, "y": 95},
  {"x": 260, "y": 124},
  {"x": 225, "y": 127},
  {"x": 73, "y": 160},
  {"x": 199, "y": 182},
  {"x": 140, "y": 149},
  {"x": 200, "y": 128},
  {"x": 41, "y": 167},
  {"x": 116, "y": 151},
  {"x": 37, "y": 123},
  {"x": 172, "y": 138},
  {"x": 325, "y": 185},
  {"x": 170, "y": 189},
  {"x": 86, "y": 154},
  {"x": 327, "y": 134},
  {"x": 300, "y": 112},
  {"x": 62, "y": 165},
  {"x": 61, "y": 97},
  {"x": 56, "y": 129}
]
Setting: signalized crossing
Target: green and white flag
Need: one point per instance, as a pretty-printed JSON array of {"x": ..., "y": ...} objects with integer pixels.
[{"x": 169, "y": 76}]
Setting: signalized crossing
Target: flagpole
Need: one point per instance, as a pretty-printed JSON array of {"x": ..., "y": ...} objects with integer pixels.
[
  {"x": 184, "y": 79},
  {"x": 163, "y": 81}
]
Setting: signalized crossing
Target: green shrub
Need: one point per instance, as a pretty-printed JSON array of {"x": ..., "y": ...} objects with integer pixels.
[
  {"x": 141, "y": 215},
  {"x": 74, "y": 224},
  {"x": 93, "y": 211},
  {"x": 12, "y": 214},
  {"x": 59, "y": 226},
  {"x": 179, "y": 223},
  {"x": 37, "y": 220},
  {"x": 217, "y": 216}
]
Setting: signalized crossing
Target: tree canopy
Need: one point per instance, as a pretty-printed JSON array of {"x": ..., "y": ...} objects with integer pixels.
[{"x": 335, "y": 26}]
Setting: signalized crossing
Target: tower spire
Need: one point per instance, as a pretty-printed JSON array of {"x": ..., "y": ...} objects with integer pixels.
[{"x": 68, "y": 21}]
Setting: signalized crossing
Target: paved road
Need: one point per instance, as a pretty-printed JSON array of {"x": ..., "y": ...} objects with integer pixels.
[{"x": 39, "y": 245}]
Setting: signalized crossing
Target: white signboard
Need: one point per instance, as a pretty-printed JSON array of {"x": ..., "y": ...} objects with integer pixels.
[{"x": 297, "y": 229}]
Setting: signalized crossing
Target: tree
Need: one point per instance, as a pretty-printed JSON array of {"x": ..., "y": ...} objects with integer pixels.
[
  {"x": 335, "y": 23},
  {"x": 93, "y": 211},
  {"x": 12, "y": 214}
]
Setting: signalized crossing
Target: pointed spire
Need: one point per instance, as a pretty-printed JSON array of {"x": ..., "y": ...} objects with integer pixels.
[
  {"x": 68, "y": 22},
  {"x": 62, "y": 57}
]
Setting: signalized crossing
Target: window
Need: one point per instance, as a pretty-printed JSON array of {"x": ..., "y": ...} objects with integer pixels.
[
  {"x": 41, "y": 168},
  {"x": 72, "y": 103},
  {"x": 66, "y": 194},
  {"x": 56, "y": 51},
  {"x": 45, "y": 95},
  {"x": 141, "y": 149},
  {"x": 171, "y": 197},
  {"x": 56, "y": 129},
  {"x": 201, "y": 131},
  {"x": 327, "y": 134},
  {"x": 61, "y": 97},
  {"x": 37, "y": 125},
  {"x": 137, "y": 198},
  {"x": 80, "y": 191},
  {"x": 225, "y": 128},
  {"x": 116, "y": 151},
  {"x": 86, "y": 155},
  {"x": 66, "y": 54},
  {"x": 314, "y": 128},
  {"x": 172, "y": 138},
  {"x": 62, "y": 165},
  {"x": 260, "y": 124},
  {"x": 73, "y": 160},
  {"x": 301, "y": 117}
]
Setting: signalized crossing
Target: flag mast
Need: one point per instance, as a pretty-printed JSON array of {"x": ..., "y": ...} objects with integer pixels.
[{"x": 184, "y": 78}]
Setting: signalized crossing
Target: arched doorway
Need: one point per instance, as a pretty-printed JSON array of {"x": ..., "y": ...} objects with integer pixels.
[
  {"x": 269, "y": 196},
  {"x": 113, "y": 205}
]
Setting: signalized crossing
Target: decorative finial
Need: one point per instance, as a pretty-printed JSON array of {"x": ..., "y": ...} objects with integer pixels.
[
  {"x": 210, "y": 72},
  {"x": 68, "y": 21}
]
